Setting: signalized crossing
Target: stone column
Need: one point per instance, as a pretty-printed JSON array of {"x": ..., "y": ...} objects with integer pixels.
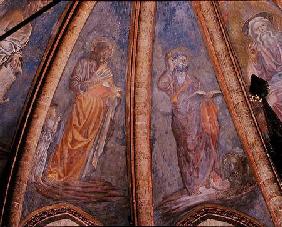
[
  {"x": 142, "y": 113},
  {"x": 64, "y": 44}
]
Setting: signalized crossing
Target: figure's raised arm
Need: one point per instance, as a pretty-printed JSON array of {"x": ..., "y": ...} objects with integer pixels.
[{"x": 165, "y": 83}]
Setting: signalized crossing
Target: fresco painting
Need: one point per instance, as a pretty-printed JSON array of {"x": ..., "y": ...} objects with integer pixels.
[
  {"x": 19, "y": 10},
  {"x": 81, "y": 154},
  {"x": 194, "y": 118},
  {"x": 80, "y": 172},
  {"x": 255, "y": 35},
  {"x": 87, "y": 128},
  {"x": 20, "y": 55},
  {"x": 197, "y": 155}
]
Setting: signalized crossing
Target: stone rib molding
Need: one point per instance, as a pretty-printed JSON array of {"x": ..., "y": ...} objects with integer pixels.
[{"x": 231, "y": 83}]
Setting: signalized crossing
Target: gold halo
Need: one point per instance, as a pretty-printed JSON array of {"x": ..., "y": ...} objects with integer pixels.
[
  {"x": 265, "y": 15},
  {"x": 181, "y": 50}
]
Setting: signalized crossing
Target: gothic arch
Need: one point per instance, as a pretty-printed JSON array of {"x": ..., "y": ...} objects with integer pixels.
[
  {"x": 138, "y": 119},
  {"x": 60, "y": 51},
  {"x": 203, "y": 212},
  {"x": 58, "y": 212}
]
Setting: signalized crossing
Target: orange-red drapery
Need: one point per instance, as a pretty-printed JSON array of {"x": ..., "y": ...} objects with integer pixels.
[{"x": 81, "y": 130}]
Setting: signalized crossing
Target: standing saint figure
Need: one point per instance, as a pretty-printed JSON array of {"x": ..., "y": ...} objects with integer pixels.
[
  {"x": 265, "y": 56},
  {"x": 194, "y": 124},
  {"x": 94, "y": 106}
]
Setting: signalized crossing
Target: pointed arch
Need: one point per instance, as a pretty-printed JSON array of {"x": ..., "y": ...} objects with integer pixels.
[
  {"x": 229, "y": 77},
  {"x": 205, "y": 212},
  {"x": 60, "y": 212},
  {"x": 50, "y": 72}
]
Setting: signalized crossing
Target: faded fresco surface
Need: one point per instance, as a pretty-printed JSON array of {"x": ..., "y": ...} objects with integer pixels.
[
  {"x": 20, "y": 55},
  {"x": 254, "y": 28},
  {"x": 81, "y": 155},
  {"x": 197, "y": 155},
  {"x": 18, "y": 10}
]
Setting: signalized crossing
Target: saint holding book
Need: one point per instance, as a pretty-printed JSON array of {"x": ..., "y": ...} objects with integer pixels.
[
  {"x": 86, "y": 130},
  {"x": 194, "y": 124}
]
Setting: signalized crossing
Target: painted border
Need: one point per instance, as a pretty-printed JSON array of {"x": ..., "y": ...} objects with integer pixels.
[
  {"x": 278, "y": 3},
  {"x": 45, "y": 215},
  {"x": 51, "y": 71},
  {"x": 137, "y": 117},
  {"x": 24, "y": 118},
  {"x": 129, "y": 114},
  {"x": 142, "y": 150},
  {"x": 203, "y": 212},
  {"x": 230, "y": 80}
]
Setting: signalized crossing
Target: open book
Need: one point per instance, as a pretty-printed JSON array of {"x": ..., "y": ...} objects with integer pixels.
[{"x": 209, "y": 94}]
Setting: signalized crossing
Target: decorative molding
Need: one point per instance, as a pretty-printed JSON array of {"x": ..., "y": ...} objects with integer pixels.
[
  {"x": 139, "y": 108},
  {"x": 14, "y": 151},
  {"x": 129, "y": 115},
  {"x": 278, "y": 3},
  {"x": 230, "y": 80},
  {"x": 212, "y": 211},
  {"x": 52, "y": 69},
  {"x": 142, "y": 113},
  {"x": 138, "y": 114},
  {"x": 49, "y": 214}
]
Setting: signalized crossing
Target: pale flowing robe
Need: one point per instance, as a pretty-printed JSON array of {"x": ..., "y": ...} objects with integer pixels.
[
  {"x": 86, "y": 129},
  {"x": 10, "y": 46},
  {"x": 269, "y": 67},
  {"x": 47, "y": 136},
  {"x": 196, "y": 130}
]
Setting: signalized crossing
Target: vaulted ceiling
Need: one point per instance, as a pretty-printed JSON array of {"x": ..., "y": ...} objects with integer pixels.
[{"x": 140, "y": 113}]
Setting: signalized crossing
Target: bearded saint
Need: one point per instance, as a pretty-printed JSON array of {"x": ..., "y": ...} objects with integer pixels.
[
  {"x": 194, "y": 125},
  {"x": 86, "y": 129},
  {"x": 265, "y": 57}
]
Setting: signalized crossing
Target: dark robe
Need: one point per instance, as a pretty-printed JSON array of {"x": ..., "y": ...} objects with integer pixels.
[{"x": 195, "y": 128}]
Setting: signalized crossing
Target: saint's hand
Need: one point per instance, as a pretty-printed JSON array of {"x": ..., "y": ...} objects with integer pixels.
[
  {"x": 93, "y": 80},
  {"x": 118, "y": 92},
  {"x": 253, "y": 54},
  {"x": 86, "y": 85}
]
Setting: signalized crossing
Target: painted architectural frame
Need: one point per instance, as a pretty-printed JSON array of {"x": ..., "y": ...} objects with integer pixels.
[{"x": 139, "y": 110}]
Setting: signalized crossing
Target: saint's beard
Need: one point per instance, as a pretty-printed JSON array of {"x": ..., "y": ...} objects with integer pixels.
[
  {"x": 180, "y": 77},
  {"x": 268, "y": 40}
]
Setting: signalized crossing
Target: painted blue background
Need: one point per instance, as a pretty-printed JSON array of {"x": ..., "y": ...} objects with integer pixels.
[
  {"x": 32, "y": 54},
  {"x": 177, "y": 26},
  {"x": 111, "y": 20}
]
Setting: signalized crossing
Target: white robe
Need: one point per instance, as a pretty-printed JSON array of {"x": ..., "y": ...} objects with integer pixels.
[
  {"x": 269, "y": 67},
  {"x": 8, "y": 47}
]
